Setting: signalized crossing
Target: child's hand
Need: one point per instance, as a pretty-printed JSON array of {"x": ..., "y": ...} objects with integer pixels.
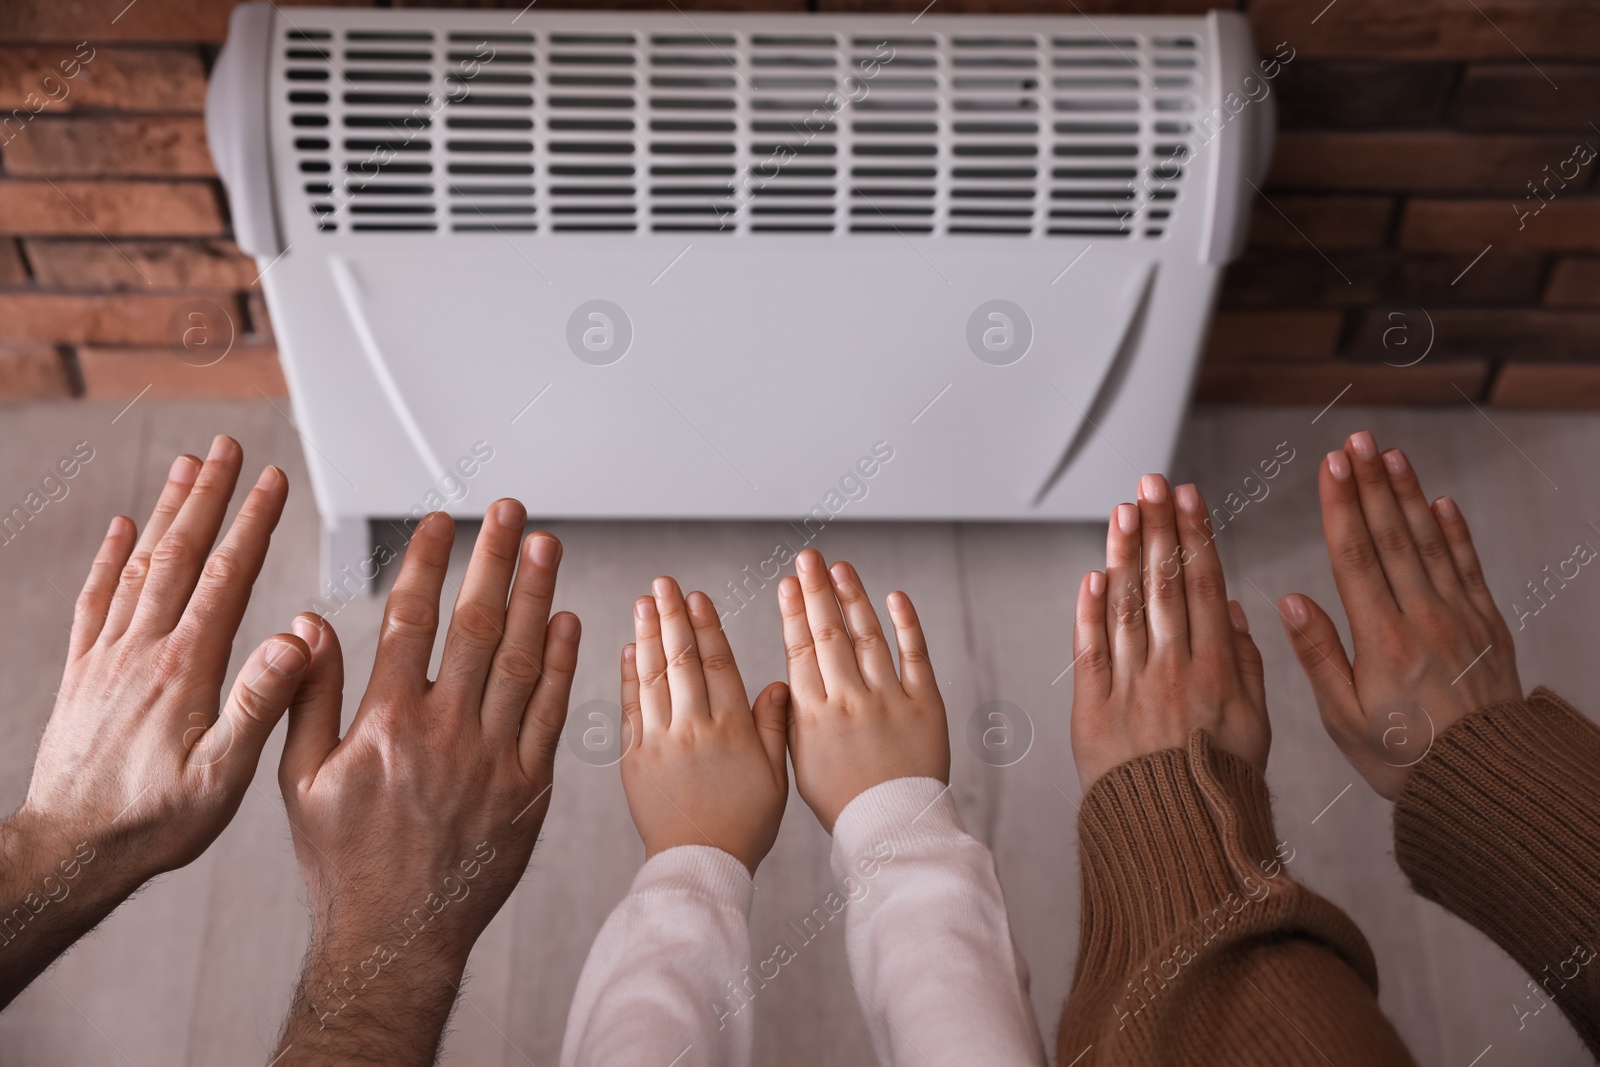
[
  {"x": 703, "y": 767},
  {"x": 1430, "y": 645},
  {"x": 856, "y": 724},
  {"x": 1160, "y": 650}
]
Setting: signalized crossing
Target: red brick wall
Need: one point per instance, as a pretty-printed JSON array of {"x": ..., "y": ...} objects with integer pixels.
[{"x": 1409, "y": 133}]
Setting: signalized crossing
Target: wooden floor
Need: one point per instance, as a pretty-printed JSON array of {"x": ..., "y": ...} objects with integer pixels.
[{"x": 198, "y": 968}]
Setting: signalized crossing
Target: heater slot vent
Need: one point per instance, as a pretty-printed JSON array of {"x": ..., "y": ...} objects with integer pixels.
[{"x": 729, "y": 133}]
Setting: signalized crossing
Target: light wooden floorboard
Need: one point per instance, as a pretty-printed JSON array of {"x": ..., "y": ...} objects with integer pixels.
[{"x": 198, "y": 968}]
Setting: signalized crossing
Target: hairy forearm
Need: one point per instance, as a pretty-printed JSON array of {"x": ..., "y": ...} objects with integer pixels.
[
  {"x": 55, "y": 886},
  {"x": 379, "y": 998}
]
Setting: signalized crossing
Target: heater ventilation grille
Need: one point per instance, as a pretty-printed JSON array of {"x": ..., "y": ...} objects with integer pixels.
[{"x": 1026, "y": 135}]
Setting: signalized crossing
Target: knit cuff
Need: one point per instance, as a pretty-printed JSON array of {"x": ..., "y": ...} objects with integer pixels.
[
  {"x": 1173, "y": 846},
  {"x": 1500, "y": 823},
  {"x": 701, "y": 871},
  {"x": 890, "y": 819}
]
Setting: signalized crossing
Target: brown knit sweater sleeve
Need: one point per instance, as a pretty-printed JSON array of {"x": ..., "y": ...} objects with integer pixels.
[
  {"x": 1500, "y": 823},
  {"x": 1195, "y": 944}
]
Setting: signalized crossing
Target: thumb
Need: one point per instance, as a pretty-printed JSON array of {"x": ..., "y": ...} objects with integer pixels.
[
  {"x": 1321, "y": 655},
  {"x": 771, "y": 711},
  {"x": 314, "y": 715},
  {"x": 262, "y": 691}
]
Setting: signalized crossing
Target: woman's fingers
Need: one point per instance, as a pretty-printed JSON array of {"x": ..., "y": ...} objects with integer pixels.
[
  {"x": 136, "y": 569},
  {"x": 1464, "y": 557},
  {"x": 1125, "y": 599},
  {"x": 89, "y": 614},
  {"x": 1166, "y": 614},
  {"x": 1205, "y": 586},
  {"x": 1424, "y": 526},
  {"x": 1356, "y": 569},
  {"x": 1321, "y": 654},
  {"x": 1252, "y": 671},
  {"x": 1391, "y": 535},
  {"x": 1091, "y": 646}
]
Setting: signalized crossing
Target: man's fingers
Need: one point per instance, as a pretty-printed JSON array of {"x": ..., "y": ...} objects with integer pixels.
[
  {"x": 1125, "y": 597},
  {"x": 1321, "y": 654},
  {"x": 1168, "y": 616},
  {"x": 136, "y": 569},
  {"x": 411, "y": 615},
  {"x": 724, "y": 687},
  {"x": 89, "y": 614},
  {"x": 771, "y": 713},
  {"x": 1091, "y": 647},
  {"x": 547, "y": 710},
  {"x": 260, "y": 695},
  {"x": 179, "y": 557},
  {"x": 478, "y": 623},
  {"x": 866, "y": 633},
  {"x": 211, "y": 618},
  {"x": 519, "y": 661},
  {"x": 315, "y": 710},
  {"x": 800, "y": 652}
]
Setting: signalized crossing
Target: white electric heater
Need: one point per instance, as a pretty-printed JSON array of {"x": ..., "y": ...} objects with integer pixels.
[{"x": 721, "y": 266}]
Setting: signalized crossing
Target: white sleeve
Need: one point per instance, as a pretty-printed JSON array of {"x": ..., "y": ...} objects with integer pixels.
[
  {"x": 661, "y": 982},
  {"x": 931, "y": 956}
]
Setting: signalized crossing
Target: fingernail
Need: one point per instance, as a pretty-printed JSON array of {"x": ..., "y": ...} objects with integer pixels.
[
  {"x": 286, "y": 659},
  {"x": 788, "y": 587},
  {"x": 506, "y": 514},
  {"x": 698, "y": 602},
  {"x": 1153, "y": 487},
  {"x": 1127, "y": 518},
  {"x": 1236, "y": 616},
  {"x": 1294, "y": 607},
  {"x": 807, "y": 561},
  {"x": 630, "y": 651},
  {"x": 307, "y": 630},
  {"x": 840, "y": 572},
  {"x": 661, "y": 587},
  {"x": 780, "y": 697},
  {"x": 1447, "y": 509},
  {"x": 1394, "y": 461},
  {"x": 564, "y": 626},
  {"x": 221, "y": 446},
  {"x": 644, "y": 608},
  {"x": 1188, "y": 498},
  {"x": 1339, "y": 464},
  {"x": 542, "y": 550},
  {"x": 183, "y": 471},
  {"x": 1097, "y": 583},
  {"x": 1362, "y": 444},
  {"x": 269, "y": 478}
]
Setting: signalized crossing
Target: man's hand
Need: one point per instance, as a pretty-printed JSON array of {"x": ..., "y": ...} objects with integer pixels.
[
  {"x": 703, "y": 767},
  {"x": 414, "y": 828},
  {"x": 857, "y": 723},
  {"x": 1158, "y": 648},
  {"x": 138, "y": 771},
  {"x": 1430, "y": 645}
]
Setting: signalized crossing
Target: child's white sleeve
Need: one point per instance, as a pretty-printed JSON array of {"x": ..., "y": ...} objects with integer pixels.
[
  {"x": 931, "y": 956},
  {"x": 659, "y": 986}
]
